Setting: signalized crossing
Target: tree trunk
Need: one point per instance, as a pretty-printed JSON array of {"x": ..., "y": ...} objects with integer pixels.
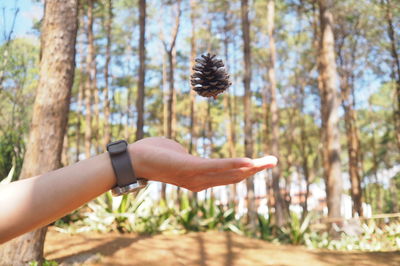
[
  {"x": 169, "y": 50},
  {"x": 171, "y": 96},
  {"x": 128, "y": 113},
  {"x": 396, "y": 64},
  {"x": 80, "y": 99},
  {"x": 209, "y": 129},
  {"x": 78, "y": 122},
  {"x": 248, "y": 136},
  {"x": 329, "y": 109},
  {"x": 89, "y": 81},
  {"x": 228, "y": 105},
  {"x": 107, "y": 129},
  {"x": 142, "y": 67},
  {"x": 64, "y": 154},
  {"x": 171, "y": 78},
  {"x": 192, "y": 97},
  {"x": 165, "y": 117},
  {"x": 230, "y": 129},
  {"x": 346, "y": 66},
  {"x": 92, "y": 70},
  {"x": 353, "y": 148},
  {"x": 165, "y": 95},
  {"x": 50, "y": 114},
  {"x": 393, "y": 193},
  {"x": 276, "y": 173}
]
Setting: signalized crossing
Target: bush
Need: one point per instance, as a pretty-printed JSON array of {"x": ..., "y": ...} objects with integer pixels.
[
  {"x": 142, "y": 215},
  {"x": 372, "y": 238}
]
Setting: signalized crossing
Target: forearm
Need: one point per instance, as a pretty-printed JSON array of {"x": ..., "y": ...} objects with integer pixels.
[{"x": 35, "y": 202}]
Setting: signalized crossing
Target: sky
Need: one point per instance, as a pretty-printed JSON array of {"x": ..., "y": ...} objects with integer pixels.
[{"x": 28, "y": 12}]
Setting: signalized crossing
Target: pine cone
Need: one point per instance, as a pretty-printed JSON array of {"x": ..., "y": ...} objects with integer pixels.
[{"x": 209, "y": 78}]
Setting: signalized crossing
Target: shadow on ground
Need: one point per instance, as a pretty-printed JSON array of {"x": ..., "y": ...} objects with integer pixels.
[{"x": 205, "y": 249}]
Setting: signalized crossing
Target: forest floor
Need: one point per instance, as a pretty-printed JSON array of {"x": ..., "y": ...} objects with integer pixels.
[{"x": 210, "y": 248}]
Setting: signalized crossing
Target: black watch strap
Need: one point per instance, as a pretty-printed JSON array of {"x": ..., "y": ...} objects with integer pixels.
[{"x": 121, "y": 163}]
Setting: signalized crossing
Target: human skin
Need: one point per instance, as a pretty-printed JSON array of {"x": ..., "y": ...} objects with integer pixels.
[{"x": 35, "y": 202}]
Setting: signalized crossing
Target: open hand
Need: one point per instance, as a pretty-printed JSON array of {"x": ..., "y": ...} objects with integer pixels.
[{"x": 165, "y": 160}]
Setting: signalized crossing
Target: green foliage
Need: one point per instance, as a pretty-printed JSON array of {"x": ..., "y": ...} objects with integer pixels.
[
  {"x": 292, "y": 233},
  {"x": 265, "y": 228},
  {"x": 372, "y": 238},
  {"x": 107, "y": 213},
  {"x": 141, "y": 215},
  {"x": 218, "y": 218},
  {"x": 11, "y": 156},
  {"x": 45, "y": 263},
  {"x": 296, "y": 229}
]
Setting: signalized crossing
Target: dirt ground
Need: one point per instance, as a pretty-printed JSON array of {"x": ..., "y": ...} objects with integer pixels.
[{"x": 211, "y": 248}]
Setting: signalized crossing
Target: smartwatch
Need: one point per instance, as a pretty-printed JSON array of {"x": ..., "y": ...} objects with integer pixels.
[{"x": 121, "y": 162}]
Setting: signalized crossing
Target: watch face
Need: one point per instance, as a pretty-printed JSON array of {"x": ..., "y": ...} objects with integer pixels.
[{"x": 117, "y": 147}]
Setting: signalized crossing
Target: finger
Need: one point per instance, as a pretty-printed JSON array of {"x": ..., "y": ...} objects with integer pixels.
[
  {"x": 219, "y": 165},
  {"x": 230, "y": 176},
  {"x": 266, "y": 161}
]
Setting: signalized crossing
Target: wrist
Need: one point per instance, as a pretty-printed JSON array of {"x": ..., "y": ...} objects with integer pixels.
[
  {"x": 134, "y": 155},
  {"x": 121, "y": 154}
]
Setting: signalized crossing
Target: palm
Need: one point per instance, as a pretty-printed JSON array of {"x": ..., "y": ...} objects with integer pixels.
[{"x": 164, "y": 160}]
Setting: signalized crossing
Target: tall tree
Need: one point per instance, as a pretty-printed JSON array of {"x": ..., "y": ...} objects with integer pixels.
[
  {"x": 89, "y": 80},
  {"x": 50, "y": 115},
  {"x": 170, "y": 51},
  {"x": 142, "y": 66},
  {"x": 108, "y": 24},
  {"x": 274, "y": 112},
  {"x": 230, "y": 127},
  {"x": 92, "y": 72},
  {"x": 396, "y": 63},
  {"x": 193, "y": 51},
  {"x": 248, "y": 134},
  {"x": 329, "y": 108},
  {"x": 347, "y": 47},
  {"x": 81, "y": 91}
]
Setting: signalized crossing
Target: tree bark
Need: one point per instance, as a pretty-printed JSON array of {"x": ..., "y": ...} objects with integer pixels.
[
  {"x": 80, "y": 97},
  {"x": 248, "y": 135},
  {"x": 394, "y": 196},
  {"x": 92, "y": 70},
  {"x": 171, "y": 78},
  {"x": 142, "y": 67},
  {"x": 192, "y": 97},
  {"x": 346, "y": 67},
  {"x": 128, "y": 113},
  {"x": 108, "y": 24},
  {"x": 353, "y": 146},
  {"x": 170, "y": 51},
  {"x": 165, "y": 95},
  {"x": 396, "y": 65},
  {"x": 50, "y": 114},
  {"x": 89, "y": 82},
  {"x": 306, "y": 151},
  {"x": 64, "y": 154},
  {"x": 276, "y": 173},
  {"x": 78, "y": 123},
  {"x": 329, "y": 109}
]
